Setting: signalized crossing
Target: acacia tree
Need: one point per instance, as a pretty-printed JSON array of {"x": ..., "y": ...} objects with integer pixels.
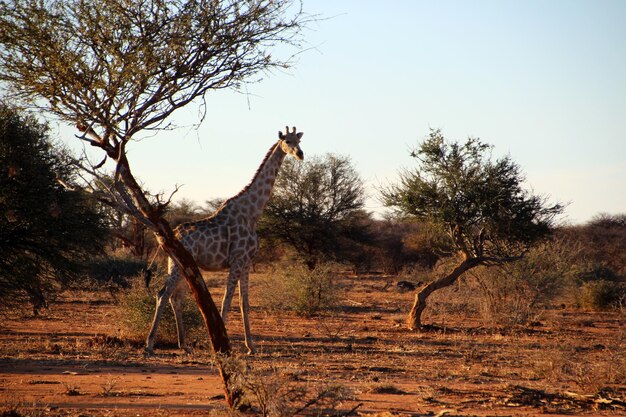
[
  {"x": 120, "y": 69},
  {"x": 315, "y": 205},
  {"x": 479, "y": 203},
  {"x": 46, "y": 233}
]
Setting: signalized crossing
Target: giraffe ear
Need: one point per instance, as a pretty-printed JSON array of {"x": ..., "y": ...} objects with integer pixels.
[
  {"x": 280, "y": 135},
  {"x": 299, "y": 135}
]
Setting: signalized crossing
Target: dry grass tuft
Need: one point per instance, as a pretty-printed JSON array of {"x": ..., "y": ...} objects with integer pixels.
[{"x": 137, "y": 306}]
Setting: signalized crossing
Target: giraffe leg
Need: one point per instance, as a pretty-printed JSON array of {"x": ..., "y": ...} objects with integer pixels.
[
  {"x": 233, "y": 277},
  {"x": 244, "y": 305},
  {"x": 176, "y": 301},
  {"x": 162, "y": 296}
]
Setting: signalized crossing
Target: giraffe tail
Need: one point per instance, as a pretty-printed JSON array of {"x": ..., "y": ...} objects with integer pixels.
[
  {"x": 147, "y": 277},
  {"x": 147, "y": 272}
]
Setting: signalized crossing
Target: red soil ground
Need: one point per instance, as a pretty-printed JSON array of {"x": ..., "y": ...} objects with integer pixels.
[{"x": 75, "y": 360}]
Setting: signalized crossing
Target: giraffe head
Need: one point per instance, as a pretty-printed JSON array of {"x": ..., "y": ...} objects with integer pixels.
[{"x": 290, "y": 142}]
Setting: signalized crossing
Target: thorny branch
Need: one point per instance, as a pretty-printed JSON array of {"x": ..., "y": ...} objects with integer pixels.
[{"x": 103, "y": 188}]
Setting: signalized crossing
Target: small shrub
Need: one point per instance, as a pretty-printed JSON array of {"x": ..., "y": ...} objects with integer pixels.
[
  {"x": 413, "y": 273},
  {"x": 517, "y": 292},
  {"x": 507, "y": 300},
  {"x": 297, "y": 288},
  {"x": 118, "y": 270},
  {"x": 596, "y": 272},
  {"x": 386, "y": 389},
  {"x": 275, "y": 392},
  {"x": 108, "y": 388},
  {"x": 601, "y": 294},
  {"x": 71, "y": 389},
  {"x": 137, "y": 311}
]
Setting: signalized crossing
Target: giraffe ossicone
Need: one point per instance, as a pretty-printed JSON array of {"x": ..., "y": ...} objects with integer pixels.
[{"x": 227, "y": 239}]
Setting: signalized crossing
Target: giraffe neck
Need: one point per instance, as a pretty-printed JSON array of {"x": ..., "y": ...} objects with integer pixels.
[{"x": 251, "y": 201}]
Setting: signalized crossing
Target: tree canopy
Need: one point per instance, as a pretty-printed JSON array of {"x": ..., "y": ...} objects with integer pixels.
[
  {"x": 45, "y": 230},
  {"x": 316, "y": 207},
  {"x": 125, "y": 66},
  {"x": 478, "y": 201}
]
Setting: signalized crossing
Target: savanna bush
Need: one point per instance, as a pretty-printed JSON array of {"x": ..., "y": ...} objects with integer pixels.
[
  {"x": 294, "y": 287},
  {"x": 279, "y": 392},
  {"x": 517, "y": 292},
  {"x": 602, "y": 295},
  {"x": 118, "y": 269},
  {"x": 507, "y": 300},
  {"x": 597, "y": 286},
  {"x": 137, "y": 306}
]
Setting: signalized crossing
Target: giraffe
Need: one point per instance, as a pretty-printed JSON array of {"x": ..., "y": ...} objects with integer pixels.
[{"x": 227, "y": 239}]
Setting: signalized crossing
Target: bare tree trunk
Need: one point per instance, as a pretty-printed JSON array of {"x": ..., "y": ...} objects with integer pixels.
[
  {"x": 189, "y": 269},
  {"x": 414, "y": 320},
  {"x": 212, "y": 318}
]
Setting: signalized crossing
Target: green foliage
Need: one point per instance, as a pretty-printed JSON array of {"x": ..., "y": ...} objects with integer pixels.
[
  {"x": 125, "y": 67},
  {"x": 602, "y": 295},
  {"x": 46, "y": 231},
  {"x": 137, "y": 311},
  {"x": 297, "y": 288},
  {"x": 116, "y": 269},
  {"x": 478, "y": 201},
  {"x": 316, "y": 208},
  {"x": 593, "y": 270}
]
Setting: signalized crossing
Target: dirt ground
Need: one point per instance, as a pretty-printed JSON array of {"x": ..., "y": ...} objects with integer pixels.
[{"x": 75, "y": 360}]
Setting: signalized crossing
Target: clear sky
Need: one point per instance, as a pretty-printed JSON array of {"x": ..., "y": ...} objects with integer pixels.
[{"x": 543, "y": 81}]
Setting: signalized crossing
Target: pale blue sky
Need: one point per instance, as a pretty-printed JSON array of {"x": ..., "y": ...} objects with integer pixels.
[{"x": 544, "y": 81}]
